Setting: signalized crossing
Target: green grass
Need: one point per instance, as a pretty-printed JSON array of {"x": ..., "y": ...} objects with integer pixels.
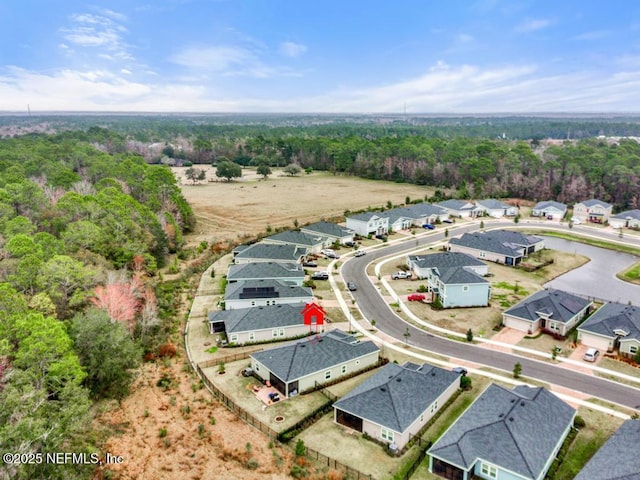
[{"x": 631, "y": 275}]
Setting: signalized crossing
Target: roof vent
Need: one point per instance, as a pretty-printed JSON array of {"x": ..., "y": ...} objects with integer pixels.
[
  {"x": 398, "y": 379},
  {"x": 433, "y": 374},
  {"x": 382, "y": 389},
  {"x": 522, "y": 404},
  {"x": 302, "y": 345},
  {"x": 511, "y": 419},
  {"x": 513, "y": 400},
  {"x": 501, "y": 415}
]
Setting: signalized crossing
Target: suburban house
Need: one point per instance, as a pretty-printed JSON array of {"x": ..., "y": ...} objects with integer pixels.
[
  {"x": 455, "y": 278},
  {"x": 618, "y": 458},
  {"x": 268, "y": 252},
  {"x": 613, "y": 326},
  {"x": 593, "y": 210},
  {"x": 427, "y": 213},
  {"x": 501, "y": 246},
  {"x": 260, "y": 324},
  {"x": 262, "y": 293},
  {"x": 460, "y": 208},
  {"x": 551, "y": 310},
  {"x": 396, "y": 402},
  {"x": 549, "y": 209},
  {"x": 316, "y": 360},
  {"x": 313, "y": 242},
  {"x": 368, "y": 223},
  {"x": 286, "y": 272},
  {"x": 628, "y": 219},
  {"x": 496, "y": 209},
  {"x": 333, "y": 231},
  {"x": 399, "y": 219},
  {"x": 504, "y": 434}
]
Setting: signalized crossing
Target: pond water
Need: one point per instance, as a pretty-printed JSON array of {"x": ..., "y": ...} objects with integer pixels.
[{"x": 597, "y": 278}]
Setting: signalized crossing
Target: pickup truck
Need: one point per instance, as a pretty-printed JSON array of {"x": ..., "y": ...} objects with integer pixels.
[{"x": 400, "y": 274}]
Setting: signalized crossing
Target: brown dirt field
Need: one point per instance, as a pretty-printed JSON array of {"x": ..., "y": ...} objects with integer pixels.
[
  {"x": 246, "y": 206},
  {"x": 193, "y": 447}
]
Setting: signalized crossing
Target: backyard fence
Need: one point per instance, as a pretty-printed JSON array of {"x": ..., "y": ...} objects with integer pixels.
[
  {"x": 227, "y": 359},
  {"x": 349, "y": 472}
]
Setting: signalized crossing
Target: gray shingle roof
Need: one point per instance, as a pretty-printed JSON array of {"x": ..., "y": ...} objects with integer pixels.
[
  {"x": 629, "y": 214},
  {"x": 397, "y": 395},
  {"x": 329, "y": 229},
  {"x": 249, "y": 289},
  {"x": 450, "y": 267},
  {"x": 517, "y": 430},
  {"x": 593, "y": 202},
  {"x": 459, "y": 205},
  {"x": 618, "y": 458},
  {"x": 366, "y": 216},
  {"x": 493, "y": 204},
  {"x": 303, "y": 358},
  {"x": 550, "y": 203},
  {"x": 560, "y": 306},
  {"x": 505, "y": 242},
  {"x": 295, "y": 237},
  {"x": 268, "y": 251},
  {"x": 263, "y": 270},
  {"x": 614, "y": 316},
  {"x": 425, "y": 210},
  {"x": 259, "y": 318}
]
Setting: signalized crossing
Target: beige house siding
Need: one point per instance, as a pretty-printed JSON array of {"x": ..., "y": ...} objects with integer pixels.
[
  {"x": 400, "y": 439},
  {"x": 520, "y": 324},
  {"x": 596, "y": 341},
  {"x": 582, "y": 212},
  {"x": 234, "y": 304},
  {"x": 319, "y": 377},
  {"x": 281, "y": 333},
  {"x": 626, "y": 347},
  {"x": 482, "y": 255}
]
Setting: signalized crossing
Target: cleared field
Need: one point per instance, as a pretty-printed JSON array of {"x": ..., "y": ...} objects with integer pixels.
[{"x": 246, "y": 206}]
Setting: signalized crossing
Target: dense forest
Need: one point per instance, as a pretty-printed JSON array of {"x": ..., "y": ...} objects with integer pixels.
[{"x": 83, "y": 233}]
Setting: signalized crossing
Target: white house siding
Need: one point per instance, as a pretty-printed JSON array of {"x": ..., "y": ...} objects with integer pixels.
[
  {"x": 268, "y": 334},
  {"x": 520, "y": 324},
  {"x": 234, "y": 304},
  {"x": 240, "y": 261},
  {"x": 548, "y": 212},
  {"x": 626, "y": 347},
  {"x": 582, "y": 212},
  {"x": 617, "y": 222},
  {"x": 596, "y": 341}
]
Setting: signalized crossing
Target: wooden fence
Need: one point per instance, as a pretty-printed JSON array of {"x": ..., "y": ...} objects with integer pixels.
[{"x": 349, "y": 472}]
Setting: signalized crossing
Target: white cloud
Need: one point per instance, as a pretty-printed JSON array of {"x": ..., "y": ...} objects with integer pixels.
[
  {"x": 593, "y": 35},
  {"x": 292, "y": 49},
  {"x": 534, "y": 25},
  {"x": 464, "y": 38},
  {"x": 98, "y": 32}
]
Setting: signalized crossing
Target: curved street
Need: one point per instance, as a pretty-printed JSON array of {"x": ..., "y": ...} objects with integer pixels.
[{"x": 373, "y": 306}]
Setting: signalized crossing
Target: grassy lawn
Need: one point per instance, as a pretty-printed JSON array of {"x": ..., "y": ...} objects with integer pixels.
[
  {"x": 631, "y": 275},
  {"x": 597, "y": 430},
  {"x": 545, "y": 343},
  {"x": 621, "y": 367}
]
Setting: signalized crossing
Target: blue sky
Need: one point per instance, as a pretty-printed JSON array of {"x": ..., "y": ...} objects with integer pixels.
[{"x": 373, "y": 56}]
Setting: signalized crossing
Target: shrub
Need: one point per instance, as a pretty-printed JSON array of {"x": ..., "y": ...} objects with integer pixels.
[
  {"x": 469, "y": 335},
  {"x": 252, "y": 464},
  {"x": 300, "y": 450},
  {"x": 163, "y": 432},
  {"x": 579, "y": 422},
  {"x": 465, "y": 383},
  {"x": 422, "y": 289},
  {"x": 298, "y": 472}
]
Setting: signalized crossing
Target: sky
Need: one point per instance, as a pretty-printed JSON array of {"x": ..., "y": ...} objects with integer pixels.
[{"x": 329, "y": 56}]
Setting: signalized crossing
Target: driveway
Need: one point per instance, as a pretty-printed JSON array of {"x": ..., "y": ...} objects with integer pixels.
[
  {"x": 509, "y": 336},
  {"x": 576, "y": 355}
]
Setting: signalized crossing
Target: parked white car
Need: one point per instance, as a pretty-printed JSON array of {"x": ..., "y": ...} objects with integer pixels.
[
  {"x": 400, "y": 274},
  {"x": 576, "y": 221},
  {"x": 591, "y": 355}
]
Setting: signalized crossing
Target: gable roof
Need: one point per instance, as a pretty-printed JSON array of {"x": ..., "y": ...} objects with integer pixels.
[
  {"x": 262, "y": 270},
  {"x": 303, "y": 358},
  {"x": 259, "y": 318},
  {"x": 295, "y": 237},
  {"x": 493, "y": 204},
  {"x": 517, "y": 430},
  {"x": 618, "y": 458},
  {"x": 490, "y": 242},
  {"x": 366, "y": 216},
  {"x": 270, "y": 251},
  {"x": 328, "y": 229},
  {"x": 614, "y": 316},
  {"x": 557, "y": 305},
  {"x": 267, "y": 288},
  {"x": 628, "y": 215},
  {"x": 425, "y": 210},
  {"x": 451, "y": 267},
  {"x": 550, "y": 203},
  {"x": 593, "y": 203},
  {"x": 454, "y": 204},
  {"x": 395, "y": 396}
]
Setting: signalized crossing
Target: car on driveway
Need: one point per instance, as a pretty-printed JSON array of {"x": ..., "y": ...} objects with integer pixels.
[
  {"x": 461, "y": 370},
  {"x": 352, "y": 286},
  {"x": 400, "y": 275},
  {"x": 591, "y": 355},
  {"x": 416, "y": 297},
  {"x": 320, "y": 276},
  {"x": 576, "y": 221},
  {"x": 360, "y": 253},
  {"x": 428, "y": 226},
  {"x": 447, "y": 220},
  {"x": 309, "y": 264}
]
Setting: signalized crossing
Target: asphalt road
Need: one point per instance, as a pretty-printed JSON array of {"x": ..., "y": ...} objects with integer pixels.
[{"x": 374, "y": 307}]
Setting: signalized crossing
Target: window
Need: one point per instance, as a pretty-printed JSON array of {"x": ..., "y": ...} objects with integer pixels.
[
  {"x": 434, "y": 406},
  {"x": 257, "y": 367},
  {"x": 343, "y": 370},
  {"x": 281, "y": 332},
  {"x": 274, "y": 333},
  {"x": 465, "y": 288},
  {"x": 357, "y": 362},
  {"x": 489, "y": 470},
  {"x": 483, "y": 254},
  {"x": 327, "y": 375},
  {"x": 633, "y": 349},
  {"x": 422, "y": 418},
  {"x": 386, "y": 435},
  {"x": 234, "y": 337},
  {"x": 554, "y": 326},
  {"x": 252, "y": 336},
  {"x": 253, "y": 303},
  {"x": 268, "y": 303}
]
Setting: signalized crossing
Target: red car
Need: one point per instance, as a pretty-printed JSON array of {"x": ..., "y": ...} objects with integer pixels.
[{"x": 416, "y": 297}]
